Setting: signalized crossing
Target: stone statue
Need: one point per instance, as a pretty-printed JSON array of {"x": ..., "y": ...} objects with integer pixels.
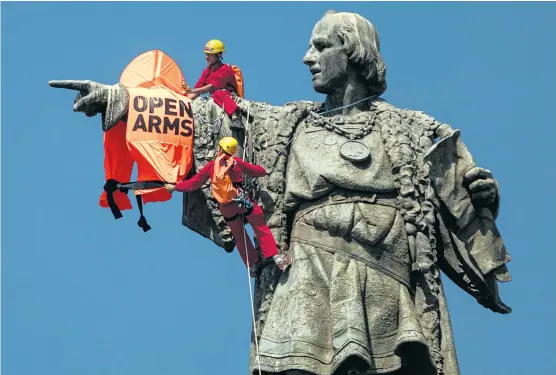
[{"x": 371, "y": 202}]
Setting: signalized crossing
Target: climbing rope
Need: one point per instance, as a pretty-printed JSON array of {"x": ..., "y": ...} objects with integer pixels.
[
  {"x": 247, "y": 254},
  {"x": 348, "y": 105},
  {"x": 246, "y": 131},
  {"x": 251, "y": 293}
]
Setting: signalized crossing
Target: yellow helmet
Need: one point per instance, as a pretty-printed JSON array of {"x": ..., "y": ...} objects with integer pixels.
[
  {"x": 229, "y": 145},
  {"x": 214, "y": 46}
]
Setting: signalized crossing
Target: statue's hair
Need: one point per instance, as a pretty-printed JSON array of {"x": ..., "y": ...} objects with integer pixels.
[{"x": 362, "y": 45}]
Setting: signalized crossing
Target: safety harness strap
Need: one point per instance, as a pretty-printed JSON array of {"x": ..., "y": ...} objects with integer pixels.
[
  {"x": 245, "y": 214},
  {"x": 142, "y": 221},
  {"x": 112, "y": 185},
  {"x": 141, "y": 185},
  {"x": 243, "y": 200}
]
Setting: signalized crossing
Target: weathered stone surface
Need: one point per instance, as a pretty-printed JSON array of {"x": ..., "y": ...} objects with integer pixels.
[{"x": 369, "y": 238}]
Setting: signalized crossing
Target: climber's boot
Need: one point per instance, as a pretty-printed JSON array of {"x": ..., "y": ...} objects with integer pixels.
[
  {"x": 283, "y": 261},
  {"x": 237, "y": 123}
]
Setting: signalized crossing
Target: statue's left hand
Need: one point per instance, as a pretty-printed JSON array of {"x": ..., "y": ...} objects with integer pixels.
[{"x": 482, "y": 186}]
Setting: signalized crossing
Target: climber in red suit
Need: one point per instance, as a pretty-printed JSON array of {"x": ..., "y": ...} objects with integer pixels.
[
  {"x": 219, "y": 80},
  {"x": 226, "y": 176}
]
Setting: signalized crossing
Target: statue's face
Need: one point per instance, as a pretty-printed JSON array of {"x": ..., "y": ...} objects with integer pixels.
[{"x": 326, "y": 58}]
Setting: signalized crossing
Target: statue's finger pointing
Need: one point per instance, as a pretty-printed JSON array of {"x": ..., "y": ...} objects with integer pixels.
[{"x": 71, "y": 85}]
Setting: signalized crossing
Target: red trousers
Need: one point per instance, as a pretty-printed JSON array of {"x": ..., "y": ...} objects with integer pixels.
[
  {"x": 223, "y": 98},
  {"x": 246, "y": 249}
]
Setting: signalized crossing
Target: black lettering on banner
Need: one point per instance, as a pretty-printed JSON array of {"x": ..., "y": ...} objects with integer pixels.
[
  {"x": 154, "y": 122},
  {"x": 143, "y": 103},
  {"x": 155, "y": 103},
  {"x": 170, "y": 105},
  {"x": 186, "y": 108},
  {"x": 188, "y": 130},
  {"x": 140, "y": 123},
  {"x": 174, "y": 125}
]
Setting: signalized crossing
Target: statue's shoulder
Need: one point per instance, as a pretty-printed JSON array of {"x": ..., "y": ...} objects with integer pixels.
[
  {"x": 306, "y": 105},
  {"x": 299, "y": 105},
  {"x": 289, "y": 113},
  {"x": 418, "y": 122}
]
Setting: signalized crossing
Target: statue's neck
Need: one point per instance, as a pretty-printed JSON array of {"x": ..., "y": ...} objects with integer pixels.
[{"x": 352, "y": 92}]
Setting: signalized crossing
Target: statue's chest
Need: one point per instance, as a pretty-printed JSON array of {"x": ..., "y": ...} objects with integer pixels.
[{"x": 321, "y": 154}]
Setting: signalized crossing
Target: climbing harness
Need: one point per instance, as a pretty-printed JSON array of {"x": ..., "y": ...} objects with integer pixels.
[{"x": 242, "y": 200}]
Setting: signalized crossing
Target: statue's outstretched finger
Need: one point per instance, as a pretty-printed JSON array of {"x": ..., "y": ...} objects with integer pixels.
[
  {"x": 86, "y": 101},
  {"x": 71, "y": 85}
]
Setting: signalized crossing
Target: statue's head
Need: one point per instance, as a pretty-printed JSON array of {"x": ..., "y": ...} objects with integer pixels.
[{"x": 344, "y": 44}]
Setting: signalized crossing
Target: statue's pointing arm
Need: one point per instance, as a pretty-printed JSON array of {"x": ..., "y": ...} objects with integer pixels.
[
  {"x": 93, "y": 98},
  {"x": 112, "y": 103}
]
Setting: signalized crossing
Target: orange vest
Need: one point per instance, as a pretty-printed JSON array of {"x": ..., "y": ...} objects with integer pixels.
[
  {"x": 158, "y": 135},
  {"x": 223, "y": 189}
]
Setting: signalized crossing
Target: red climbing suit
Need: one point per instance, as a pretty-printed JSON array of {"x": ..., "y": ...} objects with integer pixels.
[
  {"x": 158, "y": 133},
  {"x": 231, "y": 210},
  {"x": 223, "y": 80}
]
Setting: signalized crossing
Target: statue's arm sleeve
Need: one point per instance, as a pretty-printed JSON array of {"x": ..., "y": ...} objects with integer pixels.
[
  {"x": 471, "y": 251},
  {"x": 474, "y": 254},
  {"x": 116, "y": 106}
]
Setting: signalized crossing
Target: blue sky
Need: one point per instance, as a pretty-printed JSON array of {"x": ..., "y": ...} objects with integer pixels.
[{"x": 85, "y": 294}]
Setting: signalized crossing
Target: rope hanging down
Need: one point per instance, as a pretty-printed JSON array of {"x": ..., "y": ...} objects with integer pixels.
[
  {"x": 247, "y": 256},
  {"x": 251, "y": 294}
]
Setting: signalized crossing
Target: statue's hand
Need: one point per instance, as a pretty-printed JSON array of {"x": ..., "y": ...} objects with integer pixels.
[
  {"x": 482, "y": 186},
  {"x": 91, "y": 99}
]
